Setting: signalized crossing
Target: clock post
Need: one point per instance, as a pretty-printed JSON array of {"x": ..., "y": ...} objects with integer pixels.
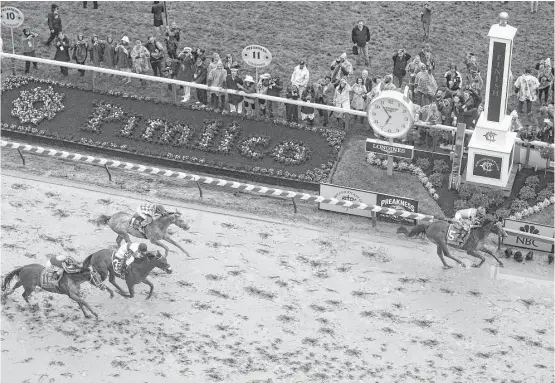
[
  {"x": 491, "y": 148},
  {"x": 390, "y": 161}
]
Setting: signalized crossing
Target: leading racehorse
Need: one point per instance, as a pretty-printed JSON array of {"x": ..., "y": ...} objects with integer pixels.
[
  {"x": 69, "y": 284},
  {"x": 156, "y": 231},
  {"x": 437, "y": 232}
]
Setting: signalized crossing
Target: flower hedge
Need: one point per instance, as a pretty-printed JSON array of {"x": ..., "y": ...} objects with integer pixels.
[
  {"x": 179, "y": 134},
  {"x": 24, "y": 106}
]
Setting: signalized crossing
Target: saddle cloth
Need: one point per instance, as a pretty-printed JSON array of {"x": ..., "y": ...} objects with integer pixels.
[
  {"x": 135, "y": 223},
  {"x": 454, "y": 236},
  {"x": 49, "y": 278},
  {"x": 117, "y": 264}
]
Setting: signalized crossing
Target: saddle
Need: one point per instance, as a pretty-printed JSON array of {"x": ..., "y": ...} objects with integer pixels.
[
  {"x": 135, "y": 223},
  {"x": 117, "y": 264},
  {"x": 49, "y": 279}
]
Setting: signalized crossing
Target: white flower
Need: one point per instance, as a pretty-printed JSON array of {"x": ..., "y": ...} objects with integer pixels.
[
  {"x": 537, "y": 208},
  {"x": 518, "y": 216},
  {"x": 547, "y": 202},
  {"x": 436, "y": 196},
  {"x": 432, "y": 191}
]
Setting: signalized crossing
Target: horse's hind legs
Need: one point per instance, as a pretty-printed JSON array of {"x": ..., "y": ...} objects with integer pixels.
[
  {"x": 147, "y": 282},
  {"x": 82, "y": 304},
  {"x": 440, "y": 254},
  {"x": 477, "y": 255},
  {"x": 445, "y": 250},
  {"x": 26, "y": 294}
]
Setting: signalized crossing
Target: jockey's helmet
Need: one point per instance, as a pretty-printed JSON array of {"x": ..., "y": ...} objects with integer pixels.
[
  {"x": 482, "y": 211},
  {"x": 142, "y": 248}
]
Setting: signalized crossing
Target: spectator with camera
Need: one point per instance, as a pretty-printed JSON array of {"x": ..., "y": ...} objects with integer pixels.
[
  {"x": 249, "y": 87},
  {"x": 342, "y": 99},
  {"x": 186, "y": 70},
  {"x": 360, "y": 37},
  {"x": 453, "y": 79},
  {"x": 426, "y": 86},
  {"x": 228, "y": 62},
  {"x": 275, "y": 87},
  {"x": 95, "y": 51},
  {"x": 156, "y": 52},
  {"x": 234, "y": 82},
  {"x": 54, "y": 23},
  {"x": 108, "y": 53},
  {"x": 28, "y": 41},
  {"x": 172, "y": 40},
  {"x": 216, "y": 78},
  {"x": 427, "y": 57},
  {"x": 80, "y": 52},
  {"x": 292, "y": 111},
  {"x": 400, "y": 62},
  {"x": 62, "y": 51},
  {"x": 340, "y": 68},
  {"x": 123, "y": 60},
  {"x": 412, "y": 69},
  {"x": 300, "y": 76},
  {"x": 262, "y": 88}
]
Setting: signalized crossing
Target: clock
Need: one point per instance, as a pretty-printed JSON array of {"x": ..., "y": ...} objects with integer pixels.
[{"x": 391, "y": 113}]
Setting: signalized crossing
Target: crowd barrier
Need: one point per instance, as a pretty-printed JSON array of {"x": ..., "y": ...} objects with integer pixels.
[{"x": 209, "y": 180}]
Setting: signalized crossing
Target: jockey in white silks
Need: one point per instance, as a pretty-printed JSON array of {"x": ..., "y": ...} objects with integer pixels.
[
  {"x": 150, "y": 212},
  {"x": 468, "y": 219},
  {"x": 127, "y": 253}
]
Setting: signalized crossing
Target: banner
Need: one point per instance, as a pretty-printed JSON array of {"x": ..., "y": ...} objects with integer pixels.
[
  {"x": 531, "y": 228},
  {"x": 387, "y": 148},
  {"x": 398, "y": 203},
  {"x": 487, "y": 166},
  {"x": 347, "y": 194}
]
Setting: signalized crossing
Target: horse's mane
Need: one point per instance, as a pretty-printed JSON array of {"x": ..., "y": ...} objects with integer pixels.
[
  {"x": 87, "y": 262},
  {"x": 149, "y": 254}
]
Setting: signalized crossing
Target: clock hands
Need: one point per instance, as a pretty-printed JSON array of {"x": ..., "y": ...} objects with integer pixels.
[{"x": 388, "y": 116}]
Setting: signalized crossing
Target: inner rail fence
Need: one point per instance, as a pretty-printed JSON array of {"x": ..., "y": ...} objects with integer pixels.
[{"x": 177, "y": 83}]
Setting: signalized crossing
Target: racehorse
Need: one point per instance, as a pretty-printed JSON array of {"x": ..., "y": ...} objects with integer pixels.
[
  {"x": 155, "y": 231},
  {"x": 437, "y": 233},
  {"x": 137, "y": 271},
  {"x": 69, "y": 284}
]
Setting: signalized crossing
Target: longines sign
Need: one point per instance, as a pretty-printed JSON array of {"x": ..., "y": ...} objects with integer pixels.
[
  {"x": 384, "y": 147},
  {"x": 487, "y": 166}
]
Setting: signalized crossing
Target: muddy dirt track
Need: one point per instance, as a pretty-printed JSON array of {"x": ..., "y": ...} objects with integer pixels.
[{"x": 265, "y": 301}]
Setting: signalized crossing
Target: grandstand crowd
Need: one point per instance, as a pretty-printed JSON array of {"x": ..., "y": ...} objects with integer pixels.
[{"x": 457, "y": 98}]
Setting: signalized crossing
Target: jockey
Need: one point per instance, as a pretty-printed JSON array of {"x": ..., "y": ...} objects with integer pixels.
[
  {"x": 468, "y": 219},
  {"x": 150, "y": 212},
  {"x": 127, "y": 253},
  {"x": 58, "y": 262}
]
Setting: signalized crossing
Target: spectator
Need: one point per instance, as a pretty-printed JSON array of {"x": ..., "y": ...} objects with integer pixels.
[
  {"x": 62, "y": 51},
  {"x": 329, "y": 96},
  {"x": 140, "y": 56},
  {"x": 476, "y": 115},
  {"x": 80, "y": 52},
  {"x": 300, "y": 77},
  {"x": 95, "y": 51},
  {"x": 292, "y": 111},
  {"x": 157, "y": 10},
  {"x": 426, "y": 86},
  {"x": 387, "y": 83},
  {"x": 172, "y": 40},
  {"x": 216, "y": 78},
  {"x": 108, "y": 55},
  {"x": 427, "y": 57},
  {"x": 274, "y": 89},
  {"x": 228, "y": 63},
  {"x": 95, "y": 4},
  {"x": 360, "y": 37},
  {"x": 156, "y": 52},
  {"x": 429, "y": 114},
  {"x": 357, "y": 103},
  {"x": 123, "y": 61},
  {"x": 341, "y": 100},
  {"x": 468, "y": 101},
  {"x": 476, "y": 82},
  {"x": 262, "y": 88},
  {"x": 54, "y": 23},
  {"x": 545, "y": 77},
  {"x": 318, "y": 87},
  {"x": 29, "y": 45},
  {"x": 170, "y": 70},
  {"x": 526, "y": 86},
  {"x": 400, "y": 61},
  {"x": 341, "y": 68},
  {"x": 453, "y": 78},
  {"x": 446, "y": 112},
  {"x": 366, "y": 81},
  {"x": 200, "y": 76},
  {"x": 249, "y": 87},
  {"x": 234, "y": 82},
  {"x": 413, "y": 68},
  {"x": 426, "y": 19},
  {"x": 307, "y": 112},
  {"x": 186, "y": 70},
  {"x": 214, "y": 61},
  {"x": 199, "y": 52}
]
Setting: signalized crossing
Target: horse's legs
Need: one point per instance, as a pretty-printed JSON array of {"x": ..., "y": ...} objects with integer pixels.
[
  {"x": 103, "y": 275},
  {"x": 131, "y": 289},
  {"x": 74, "y": 295},
  {"x": 477, "y": 255},
  {"x": 158, "y": 243},
  {"x": 485, "y": 250},
  {"x": 113, "y": 282},
  {"x": 445, "y": 250},
  {"x": 440, "y": 254},
  {"x": 26, "y": 294},
  {"x": 167, "y": 238},
  {"x": 147, "y": 282}
]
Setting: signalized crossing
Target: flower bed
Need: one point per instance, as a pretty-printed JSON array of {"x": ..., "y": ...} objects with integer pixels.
[{"x": 191, "y": 134}]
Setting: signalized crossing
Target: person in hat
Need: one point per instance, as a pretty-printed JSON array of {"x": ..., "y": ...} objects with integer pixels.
[
  {"x": 360, "y": 37},
  {"x": 341, "y": 99},
  {"x": 29, "y": 45},
  {"x": 234, "y": 82},
  {"x": 140, "y": 56},
  {"x": 54, "y": 23},
  {"x": 62, "y": 51},
  {"x": 216, "y": 78},
  {"x": 200, "y": 76},
  {"x": 95, "y": 51},
  {"x": 123, "y": 58},
  {"x": 172, "y": 40},
  {"x": 80, "y": 52},
  {"x": 340, "y": 68},
  {"x": 300, "y": 76},
  {"x": 186, "y": 70},
  {"x": 262, "y": 88},
  {"x": 108, "y": 54},
  {"x": 127, "y": 253},
  {"x": 249, "y": 87},
  {"x": 156, "y": 52}
]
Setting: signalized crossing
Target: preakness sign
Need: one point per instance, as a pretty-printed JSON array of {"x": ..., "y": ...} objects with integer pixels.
[
  {"x": 384, "y": 147},
  {"x": 369, "y": 198},
  {"x": 530, "y": 228}
]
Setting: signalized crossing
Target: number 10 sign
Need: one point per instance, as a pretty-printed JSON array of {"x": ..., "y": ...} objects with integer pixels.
[{"x": 256, "y": 56}]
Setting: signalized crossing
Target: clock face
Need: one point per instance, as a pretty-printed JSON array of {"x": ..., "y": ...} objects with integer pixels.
[{"x": 390, "y": 117}]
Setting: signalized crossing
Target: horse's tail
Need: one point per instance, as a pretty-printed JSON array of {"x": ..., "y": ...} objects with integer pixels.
[
  {"x": 9, "y": 277},
  {"x": 102, "y": 220},
  {"x": 418, "y": 229}
]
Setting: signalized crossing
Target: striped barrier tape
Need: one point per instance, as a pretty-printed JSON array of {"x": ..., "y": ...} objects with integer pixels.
[{"x": 211, "y": 181}]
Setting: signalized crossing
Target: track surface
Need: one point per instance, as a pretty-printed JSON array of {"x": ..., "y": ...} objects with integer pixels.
[{"x": 265, "y": 299}]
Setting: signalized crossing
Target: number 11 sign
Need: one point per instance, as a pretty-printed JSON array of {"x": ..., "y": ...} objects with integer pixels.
[{"x": 256, "y": 56}]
